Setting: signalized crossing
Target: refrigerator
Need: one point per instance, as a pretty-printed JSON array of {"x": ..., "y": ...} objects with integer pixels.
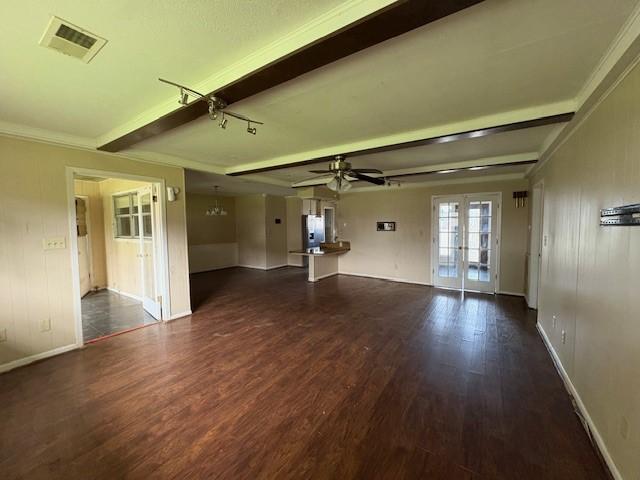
[{"x": 312, "y": 232}]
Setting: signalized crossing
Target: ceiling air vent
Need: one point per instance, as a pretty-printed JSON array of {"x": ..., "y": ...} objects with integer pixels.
[{"x": 71, "y": 40}]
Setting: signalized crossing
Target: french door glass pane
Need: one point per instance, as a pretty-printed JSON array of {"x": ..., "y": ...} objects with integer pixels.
[
  {"x": 479, "y": 241},
  {"x": 448, "y": 239}
]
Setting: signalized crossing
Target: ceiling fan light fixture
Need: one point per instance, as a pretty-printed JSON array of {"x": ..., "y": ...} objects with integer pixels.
[{"x": 339, "y": 184}]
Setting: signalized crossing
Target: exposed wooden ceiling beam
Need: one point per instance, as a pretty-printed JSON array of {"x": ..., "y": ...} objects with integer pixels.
[
  {"x": 536, "y": 122},
  {"x": 440, "y": 171},
  {"x": 394, "y": 20}
]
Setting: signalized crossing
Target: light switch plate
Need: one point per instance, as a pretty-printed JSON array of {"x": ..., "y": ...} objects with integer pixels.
[
  {"x": 54, "y": 243},
  {"x": 3, "y": 334},
  {"x": 45, "y": 325}
]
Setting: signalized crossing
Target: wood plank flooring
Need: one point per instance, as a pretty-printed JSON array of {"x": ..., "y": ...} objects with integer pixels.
[{"x": 276, "y": 378}]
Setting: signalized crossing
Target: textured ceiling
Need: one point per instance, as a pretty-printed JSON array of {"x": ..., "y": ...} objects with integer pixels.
[
  {"x": 184, "y": 40},
  {"x": 492, "y": 58},
  {"x": 497, "y": 62}
]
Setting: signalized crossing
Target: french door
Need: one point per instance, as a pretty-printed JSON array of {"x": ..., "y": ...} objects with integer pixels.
[
  {"x": 147, "y": 251},
  {"x": 465, "y": 253}
]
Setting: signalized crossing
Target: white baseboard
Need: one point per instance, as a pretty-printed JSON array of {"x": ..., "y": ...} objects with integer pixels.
[
  {"x": 179, "y": 315},
  {"x": 256, "y": 267},
  {"x": 38, "y": 356},
  {"x": 215, "y": 269},
  {"x": 513, "y": 294},
  {"x": 587, "y": 422},
  {"x": 277, "y": 266},
  {"x": 391, "y": 279},
  {"x": 325, "y": 276},
  {"x": 124, "y": 294}
]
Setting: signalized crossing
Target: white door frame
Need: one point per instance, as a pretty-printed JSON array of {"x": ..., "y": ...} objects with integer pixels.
[
  {"x": 87, "y": 203},
  {"x": 538, "y": 186},
  {"x": 162, "y": 261},
  {"x": 435, "y": 228}
]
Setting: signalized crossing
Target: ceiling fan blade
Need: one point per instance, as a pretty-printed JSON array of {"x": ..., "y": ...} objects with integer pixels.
[
  {"x": 320, "y": 179},
  {"x": 241, "y": 117},
  {"x": 367, "y": 170},
  {"x": 320, "y": 171},
  {"x": 367, "y": 178}
]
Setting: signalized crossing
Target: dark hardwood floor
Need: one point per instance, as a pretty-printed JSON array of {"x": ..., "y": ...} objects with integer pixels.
[{"x": 276, "y": 378}]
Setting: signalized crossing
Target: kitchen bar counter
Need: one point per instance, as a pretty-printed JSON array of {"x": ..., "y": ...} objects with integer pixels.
[{"x": 323, "y": 260}]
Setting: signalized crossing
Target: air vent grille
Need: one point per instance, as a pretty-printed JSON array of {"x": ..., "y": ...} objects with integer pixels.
[
  {"x": 74, "y": 36},
  {"x": 71, "y": 40}
]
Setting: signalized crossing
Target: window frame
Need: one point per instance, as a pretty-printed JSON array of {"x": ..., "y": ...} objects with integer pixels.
[{"x": 131, "y": 216}]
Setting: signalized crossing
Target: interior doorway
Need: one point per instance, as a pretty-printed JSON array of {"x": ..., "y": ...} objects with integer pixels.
[
  {"x": 535, "y": 250},
  {"x": 466, "y": 242},
  {"x": 119, "y": 246}
]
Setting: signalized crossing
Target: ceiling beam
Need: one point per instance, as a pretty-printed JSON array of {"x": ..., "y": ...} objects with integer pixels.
[
  {"x": 440, "y": 170},
  {"x": 396, "y": 19},
  {"x": 482, "y": 132}
]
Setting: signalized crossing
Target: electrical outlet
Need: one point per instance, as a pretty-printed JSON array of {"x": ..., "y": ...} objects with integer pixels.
[
  {"x": 555, "y": 321},
  {"x": 45, "y": 324},
  {"x": 54, "y": 243},
  {"x": 3, "y": 335},
  {"x": 564, "y": 337}
]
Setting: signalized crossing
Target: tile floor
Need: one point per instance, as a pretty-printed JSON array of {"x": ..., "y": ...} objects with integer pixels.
[{"x": 105, "y": 312}]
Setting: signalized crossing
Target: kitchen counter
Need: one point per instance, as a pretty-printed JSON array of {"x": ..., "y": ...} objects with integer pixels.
[
  {"x": 323, "y": 260},
  {"x": 319, "y": 251}
]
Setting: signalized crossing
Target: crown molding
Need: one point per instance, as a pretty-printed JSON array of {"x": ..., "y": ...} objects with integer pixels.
[
  {"x": 621, "y": 57},
  {"x": 46, "y": 136}
]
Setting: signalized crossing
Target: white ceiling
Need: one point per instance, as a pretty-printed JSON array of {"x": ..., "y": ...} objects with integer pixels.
[
  {"x": 497, "y": 62},
  {"x": 185, "y": 40},
  {"x": 205, "y": 183}
]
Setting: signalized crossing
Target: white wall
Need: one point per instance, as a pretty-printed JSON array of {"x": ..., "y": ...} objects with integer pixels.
[
  {"x": 251, "y": 231},
  {"x": 212, "y": 238},
  {"x": 276, "y": 233},
  {"x": 36, "y": 284},
  {"x": 294, "y": 230},
  {"x": 590, "y": 274},
  {"x": 405, "y": 254}
]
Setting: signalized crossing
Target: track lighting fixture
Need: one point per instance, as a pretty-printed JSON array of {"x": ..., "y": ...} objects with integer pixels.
[
  {"x": 184, "y": 97},
  {"x": 217, "y": 106}
]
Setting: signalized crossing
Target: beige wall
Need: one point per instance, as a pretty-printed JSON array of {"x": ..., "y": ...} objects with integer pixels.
[
  {"x": 96, "y": 228},
  {"x": 406, "y": 253},
  {"x": 121, "y": 253},
  {"x": 261, "y": 242},
  {"x": 251, "y": 231},
  {"x": 36, "y": 285},
  {"x": 294, "y": 230},
  {"x": 276, "y": 237},
  {"x": 205, "y": 230},
  {"x": 212, "y": 239},
  {"x": 589, "y": 274}
]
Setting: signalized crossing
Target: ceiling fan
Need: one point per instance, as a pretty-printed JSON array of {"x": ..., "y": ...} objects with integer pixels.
[
  {"x": 217, "y": 106},
  {"x": 342, "y": 174}
]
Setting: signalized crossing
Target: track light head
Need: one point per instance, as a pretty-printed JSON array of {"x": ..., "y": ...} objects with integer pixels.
[
  {"x": 184, "y": 97},
  {"x": 223, "y": 122},
  {"x": 251, "y": 130}
]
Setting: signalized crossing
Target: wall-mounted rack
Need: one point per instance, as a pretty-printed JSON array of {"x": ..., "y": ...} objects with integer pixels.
[{"x": 626, "y": 215}]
